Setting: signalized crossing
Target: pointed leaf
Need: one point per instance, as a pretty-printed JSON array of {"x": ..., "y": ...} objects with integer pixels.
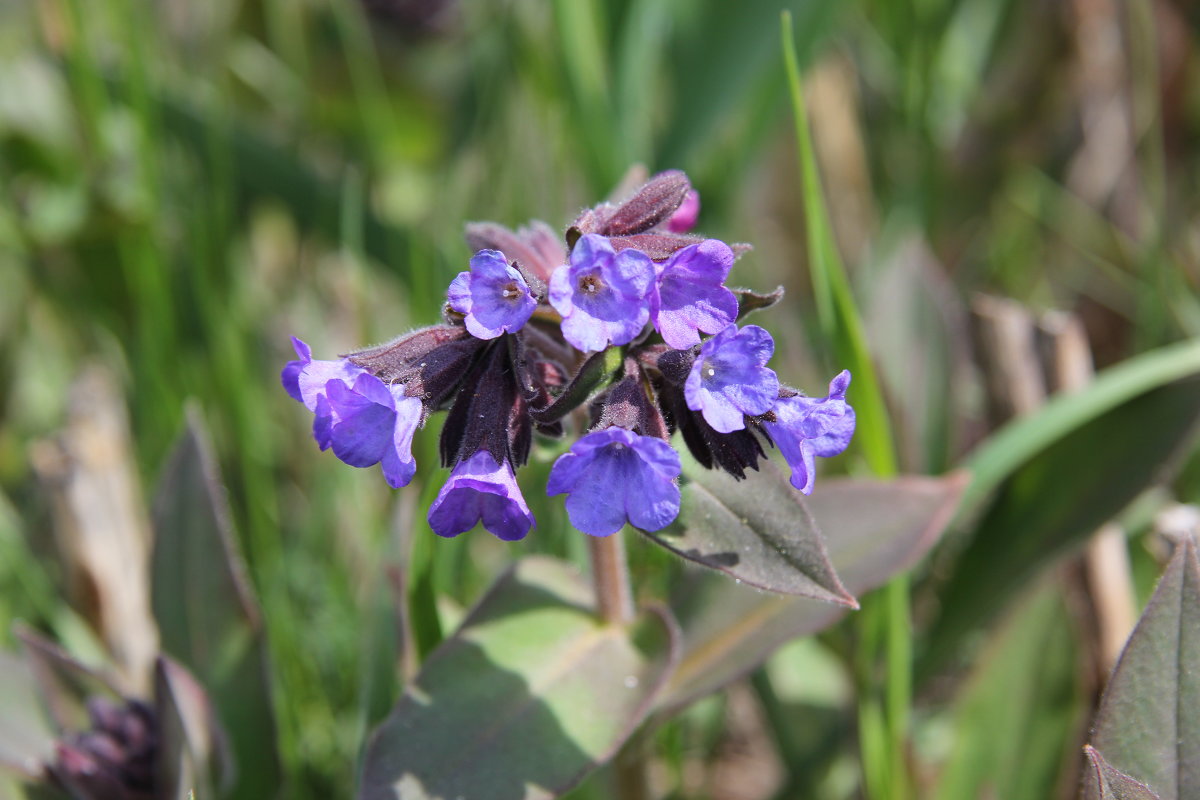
[
  {"x": 1102, "y": 781},
  {"x": 873, "y": 529},
  {"x": 1127, "y": 428},
  {"x": 206, "y": 613},
  {"x": 1147, "y": 725},
  {"x": 594, "y": 373},
  {"x": 758, "y": 530},
  {"x": 26, "y": 740},
  {"x": 529, "y": 695}
]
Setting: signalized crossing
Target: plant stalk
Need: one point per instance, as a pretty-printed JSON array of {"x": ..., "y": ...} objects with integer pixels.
[{"x": 610, "y": 576}]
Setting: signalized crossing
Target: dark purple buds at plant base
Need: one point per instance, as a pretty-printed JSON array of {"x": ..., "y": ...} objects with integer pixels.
[
  {"x": 807, "y": 426},
  {"x": 370, "y": 423},
  {"x": 729, "y": 380},
  {"x": 602, "y": 295},
  {"x": 689, "y": 294},
  {"x": 614, "y": 476},
  {"x": 493, "y": 296},
  {"x": 684, "y": 218},
  {"x": 115, "y": 759},
  {"x": 481, "y": 490}
]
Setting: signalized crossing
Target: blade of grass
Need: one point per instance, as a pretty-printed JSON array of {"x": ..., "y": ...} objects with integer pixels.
[{"x": 884, "y": 730}]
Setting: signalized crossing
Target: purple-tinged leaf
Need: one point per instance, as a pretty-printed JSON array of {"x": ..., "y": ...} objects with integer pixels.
[
  {"x": 529, "y": 695},
  {"x": 26, "y": 740},
  {"x": 1103, "y": 781},
  {"x": 758, "y": 531},
  {"x": 1148, "y": 726},
  {"x": 873, "y": 530},
  {"x": 207, "y": 615}
]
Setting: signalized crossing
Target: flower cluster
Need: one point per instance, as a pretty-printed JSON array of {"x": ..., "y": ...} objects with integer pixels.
[{"x": 630, "y": 319}]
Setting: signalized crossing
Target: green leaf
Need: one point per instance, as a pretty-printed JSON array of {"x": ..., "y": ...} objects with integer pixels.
[
  {"x": 1102, "y": 781},
  {"x": 1147, "y": 725},
  {"x": 1062, "y": 473},
  {"x": 528, "y": 696},
  {"x": 759, "y": 531},
  {"x": 26, "y": 740},
  {"x": 205, "y": 610},
  {"x": 873, "y": 530},
  {"x": 1020, "y": 703}
]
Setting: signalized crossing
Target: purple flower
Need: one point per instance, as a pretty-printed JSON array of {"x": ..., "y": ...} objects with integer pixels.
[
  {"x": 602, "y": 295},
  {"x": 493, "y": 295},
  {"x": 614, "y": 476},
  {"x": 365, "y": 421},
  {"x": 808, "y": 427},
  {"x": 689, "y": 295},
  {"x": 684, "y": 218},
  {"x": 730, "y": 380},
  {"x": 305, "y": 379},
  {"x": 478, "y": 490}
]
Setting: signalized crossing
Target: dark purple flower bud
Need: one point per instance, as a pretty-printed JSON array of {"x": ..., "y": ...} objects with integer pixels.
[
  {"x": 729, "y": 380},
  {"x": 684, "y": 218},
  {"x": 805, "y": 427},
  {"x": 115, "y": 759},
  {"x": 603, "y": 296},
  {"x": 649, "y": 207},
  {"x": 493, "y": 296},
  {"x": 430, "y": 362},
  {"x": 370, "y": 423},
  {"x": 613, "y": 476},
  {"x": 690, "y": 296},
  {"x": 480, "y": 489}
]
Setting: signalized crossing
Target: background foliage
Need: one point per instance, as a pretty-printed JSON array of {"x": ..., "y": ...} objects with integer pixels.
[{"x": 184, "y": 185}]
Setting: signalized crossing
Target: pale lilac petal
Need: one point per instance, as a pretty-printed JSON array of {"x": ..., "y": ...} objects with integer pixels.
[
  {"x": 603, "y": 296},
  {"x": 807, "y": 427},
  {"x": 729, "y": 380},
  {"x": 493, "y": 296},
  {"x": 362, "y": 428},
  {"x": 689, "y": 296}
]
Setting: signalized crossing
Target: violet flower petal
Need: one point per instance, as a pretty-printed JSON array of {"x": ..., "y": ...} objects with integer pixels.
[
  {"x": 614, "y": 476},
  {"x": 807, "y": 427},
  {"x": 480, "y": 490},
  {"x": 602, "y": 295},
  {"x": 689, "y": 294}
]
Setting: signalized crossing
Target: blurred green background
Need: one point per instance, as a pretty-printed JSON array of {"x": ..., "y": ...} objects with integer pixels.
[{"x": 185, "y": 185}]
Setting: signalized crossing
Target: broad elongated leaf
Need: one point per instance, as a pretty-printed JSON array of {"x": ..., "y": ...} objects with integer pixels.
[
  {"x": 1103, "y": 781},
  {"x": 759, "y": 531},
  {"x": 26, "y": 740},
  {"x": 531, "y": 693},
  {"x": 873, "y": 529},
  {"x": 64, "y": 683},
  {"x": 1088, "y": 467},
  {"x": 206, "y": 614},
  {"x": 1148, "y": 726}
]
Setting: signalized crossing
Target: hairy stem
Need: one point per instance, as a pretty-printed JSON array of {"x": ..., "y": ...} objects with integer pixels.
[{"x": 610, "y": 576}]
